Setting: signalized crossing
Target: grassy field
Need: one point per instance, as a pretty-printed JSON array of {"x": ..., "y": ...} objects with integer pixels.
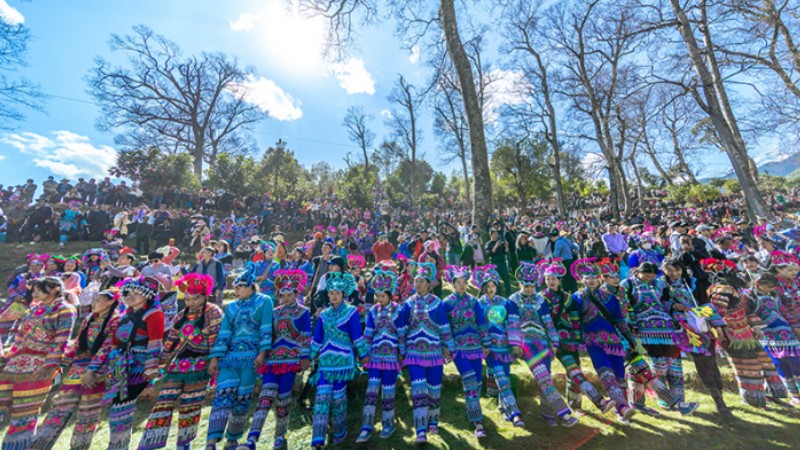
[{"x": 776, "y": 427}]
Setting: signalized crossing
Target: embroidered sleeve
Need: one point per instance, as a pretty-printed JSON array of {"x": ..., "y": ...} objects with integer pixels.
[
  {"x": 514, "y": 332},
  {"x": 369, "y": 330},
  {"x": 354, "y": 324},
  {"x": 547, "y": 321},
  {"x": 480, "y": 321},
  {"x": 101, "y": 357},
  {"x": 402, "y": 330},
  {"x": 63, "y": 323},
  {"x": 445, "y": 332},
  {"x": 266, "y": 325},
  {"x": 220, "y": 347},
  {"x": 213, "y": 323},
  {"x": 319, "y": 337},
  {"x": 304, "y": 325}
]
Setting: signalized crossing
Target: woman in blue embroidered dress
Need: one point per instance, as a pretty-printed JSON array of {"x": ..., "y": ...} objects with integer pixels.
[
  {"x": 385, "y": 338},
  {"x": 337, "y": 332}
]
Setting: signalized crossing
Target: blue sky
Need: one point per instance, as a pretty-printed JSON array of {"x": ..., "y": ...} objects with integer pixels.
[{"x": 306, "y": 95}]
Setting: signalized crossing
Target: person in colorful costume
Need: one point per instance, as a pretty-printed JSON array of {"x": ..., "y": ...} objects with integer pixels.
[
  {"x": 385, "y": 338},
  {"x": 429, "y": 342},
  {"x": 776, "y": 334},
  {"x": 603, "y": 324},
  {"x": 751, "y": 365},
  {"x": 468, "y": 324},
  {"x": 134, "y": 361},
  {"x": 91, "y": 262},
  {"x": 291, "y": 337},
  {"x": 502, "y": 329},
  {"x": 82, "y": 388},
  {"x": 644, "y": 251},
  {"x": 567, "y": 320},
  {"x": 405, "y": 281},
  {"x": 185, "y": 357},
  {"x": 40, "y": 339},
  {"x": 336, "y": 343},
  {"x": 265, "y": 272},
  {"x": 786, "y": 266},
  {"x": 245, "y": 338},
  {"x": 539, "y": 341},
  {"x": 652, "y": 325},
  {"x": 19, "y": 297},
  {"x": 699, "y": 328}
]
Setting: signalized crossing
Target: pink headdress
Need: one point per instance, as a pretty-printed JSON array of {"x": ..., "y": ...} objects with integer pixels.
[
  {"x": 431, "y": 245},
  {"x": 356, "y": 261},
  {"x": 451, "y": 273},
  {"x": 608, "y": 267},
  {"x": 196, "y": 284},
  {"x": 552, "y": 268},
  {"x": 781, "y": 258},
  {"x": 584, "y": 267},
  {"x": 290, "y": 280}
]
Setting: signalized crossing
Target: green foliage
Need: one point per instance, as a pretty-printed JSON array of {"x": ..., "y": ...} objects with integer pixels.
[
  {"x": 773, "y": 183},
  {"x": 233, "y": 173},
  {"x": 521, "y": 171},
  {"x": 356, "y": 185},
  {"x": 693, "y": 193},
  {"x": 280, "y": 174},
  {"x": 153, "y": 168},
  {"x": 324, "y": 178},
  {"x": 398, "y": 184},
  {"x": 732, "y": 186}
]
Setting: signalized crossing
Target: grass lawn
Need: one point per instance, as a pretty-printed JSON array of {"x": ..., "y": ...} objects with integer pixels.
[{"x": 777, "y": 427}]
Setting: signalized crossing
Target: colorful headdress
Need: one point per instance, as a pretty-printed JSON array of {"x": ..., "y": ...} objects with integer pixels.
[
  {"x": 196, "y": 284},
  {"x": 111, "y": 232},
  {"x": 356, "y": 261},
  {"x": 342, "y": 282},
  {"x": 383, "y": 281},
  {"x": 584, "y": 267},
  {"x": 426, "y": 270},
  {"x": 266, "y": 245},
  {"x": 552, "y": 268},
  {"x": 290, "y": 281},
  {"x": 95, "y": 251},
  {"x": 451, "y": 273},
  {"x": 58, "y": 259},
  {"x": 146, "y": 286},
  {"x": 248, "y": 277},
  {"x": 608, "y": 266},
  {"x": 483, "y": 274},
  {"x": 781, "y": 258},
  {"x": 718, "y": 266},
  {"x": 641, "y": 238},
  {"x": 528, "y": 274}
]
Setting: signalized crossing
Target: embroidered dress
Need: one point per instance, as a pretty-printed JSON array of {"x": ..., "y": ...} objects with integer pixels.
[
  {"x": 777, "y": 338},
  {"x": 138, "y": 344},
  {"x": 468, "y": 325},
  {"x": 245, "y": 331},
  {"x": 537, "y": 336},
  {"x": 337, "y": 332},
  {"x": 743, "y": 349},
  {"x": 185, "y": 355},
  {"x": 73, "y": 398},
  {"x": 291, "y": 338},
  {"x": 567, "y": 321},
  {"x": 39, "y": 343},
  {"x": 789, "y": 293},
  {"x": 651, "y": 322},
  {"x": 385, "y": 339},
  {"x": 428, "y": 334},
  {"x": 502, "y": 328}
]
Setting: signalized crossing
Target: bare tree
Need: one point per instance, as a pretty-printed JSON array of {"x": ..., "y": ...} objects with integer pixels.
[
  {"x": 450, "y": 124},
  {"x": 357, "y": 123},
  {"x": 416, "y": 17},
  {"x": 403, "y": 123},
  {"x": 16, "y": 92},
  {"x": 194, "y": 104}
]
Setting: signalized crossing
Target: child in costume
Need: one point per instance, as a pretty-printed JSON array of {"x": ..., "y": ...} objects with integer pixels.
[
  {"x": 539, "y": 342},
  {"x": 429, "y": 342},
  {"x": 40, "y": 338},
  {"x": 337, "y": 333},
  {"x": 185, "y": 357},
  {"x": 82, "y": 387},
  {"x": 603, "y": 326},
  {"x": 503, "y": 337},
  {"x": 567, "y": 320},
  {"x": 786, "y": 266},
  {"x": 385, "y": 339},
  {"x": 697, "y": 329},
  {"x": 244, "y": 339},
  {"x": 468, "y": 323},
  {"x": 291, "y": 337},
  {"x": 134, "y": 362}
]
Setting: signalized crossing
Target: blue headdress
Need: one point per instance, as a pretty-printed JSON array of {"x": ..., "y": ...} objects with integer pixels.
[
  {"x": 342, "y": 282},
  {"x": 426, "y": 270},
  {"x": 383, "y": 281},
  {"x": 248, "y": 277},
  {"x": 483, "y": 274}
]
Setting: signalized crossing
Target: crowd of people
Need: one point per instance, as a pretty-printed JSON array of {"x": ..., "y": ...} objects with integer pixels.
[{"x": 367, "y": 293}]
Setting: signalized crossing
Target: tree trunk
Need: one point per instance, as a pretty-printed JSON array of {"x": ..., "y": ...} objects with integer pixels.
[
  {"x": 718, "y": 108},
  {"x": 482, "y": 198},
  {"x": 466, "y": 175}
]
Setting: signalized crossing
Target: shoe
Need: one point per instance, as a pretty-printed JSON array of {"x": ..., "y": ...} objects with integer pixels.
[
  {"x": 422, "y": 438},
  {"x": 794, "y": 401},
  {"x": 480, "y": 432},
  {"x": 687, "y": 409},
  {"x": 364, "y": 436},
  {"x": 231, "y": 445},
  {"x": 387, "y": 432},
  {"x": 280, "y": 442},
  {"x": 647, "y": 410},
  {"x": 663, "y": 405},
  {"x": 433, "y": 430},
  {"x": 550, "y": 421},
  {"x": 627, "y": 414},
  {"x": 249, "y": 445},
  {"x": 518, "y": 422},
  {"x": 339, "y": 440},
  {"x": 607, "y": 405},
  {"x": 568, "y": 421}
]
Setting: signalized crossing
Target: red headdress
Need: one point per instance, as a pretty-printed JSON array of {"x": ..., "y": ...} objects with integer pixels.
[
  {"x": 290, "y": 280},
  {"x": 196, "y": 284}
]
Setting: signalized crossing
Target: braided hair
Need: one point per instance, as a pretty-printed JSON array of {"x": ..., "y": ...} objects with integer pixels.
[{"x": 83, "y": 339}]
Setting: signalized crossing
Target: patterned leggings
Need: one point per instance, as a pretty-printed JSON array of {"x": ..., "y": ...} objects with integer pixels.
[
  {"x": 23, "y": 399},
  {"x": 330, "y": 395},
  {"x": 426, "y": 394},
  {"x": 188, "y": 391},
  {"x": 232, "y": 400},
  {"x": 576, "y": 381},
  {"x": 275, "y": 387},
  {"x": 789, "y": 370},
  {"x": 537, "y": 357},
  {"x": 611, "y": 370},
  {"x": 386, "y": 379},
  {"x": 506, "y": 400},
  {"x": 72, "y": 399},
  {"x": 470, "y": 370},
  {"x": 120, "y": 417}
]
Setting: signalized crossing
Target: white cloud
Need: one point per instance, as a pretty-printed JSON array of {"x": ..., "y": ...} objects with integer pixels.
[
  {"x": 387, "y": 113},
  {"x": 414, "y": 57},
  {"x": 353, "y": 76},
  {"x": 65, "y": 153},
  {"x": 10, "y": 15},
  {"x": 2, "y": 157},
  {"x": 245, "y": 22},
  {"x": 503, "y": 89},
  {"x": 270, "y": 98}
]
